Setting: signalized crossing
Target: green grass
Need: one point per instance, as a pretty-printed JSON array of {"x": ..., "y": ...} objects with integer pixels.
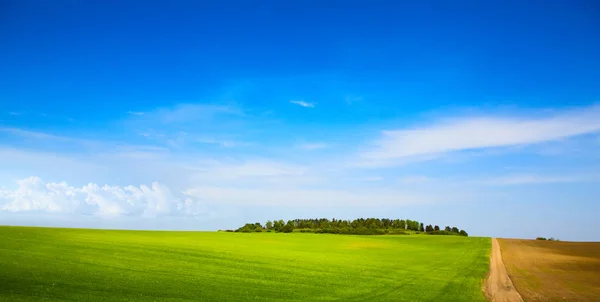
[{"x": 45, "y": 264}]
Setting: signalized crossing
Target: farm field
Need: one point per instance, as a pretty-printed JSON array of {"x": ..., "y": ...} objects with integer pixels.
[
  {"x": 553, "y": 270},
  {"x": 46, "y": 264}
]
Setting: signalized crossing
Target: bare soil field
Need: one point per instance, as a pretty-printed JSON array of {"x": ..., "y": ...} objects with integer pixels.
[{"x": 553, "y": 270}]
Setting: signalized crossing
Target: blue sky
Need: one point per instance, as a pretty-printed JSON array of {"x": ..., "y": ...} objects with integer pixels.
[{"x": 187, "y": 115}]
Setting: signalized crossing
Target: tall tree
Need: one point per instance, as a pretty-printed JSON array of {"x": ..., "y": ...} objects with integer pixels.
[
  {"x": 422, "y": 229},
  {"x": 269, "y": 225},
  {"x": 436, "y": 228}
]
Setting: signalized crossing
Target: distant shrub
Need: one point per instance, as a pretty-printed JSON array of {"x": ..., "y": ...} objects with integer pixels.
[
  {"x": 397, "y": 232},
  {"x": 348, "y": 231},
  {"x": 333, "y": 230},
  {"x": 540, "y": 238},
  {"x": 444, "y": 232},
  {"x": 287, "y": 229},
  {"x": 366, "y": 231},
  {"x": 553, "y": 239},
  {"x": 229, "y": 231},
  {"x": 250, "y": 228}
]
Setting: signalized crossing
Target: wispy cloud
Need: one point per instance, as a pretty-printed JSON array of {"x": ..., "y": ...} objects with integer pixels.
[
  {"x": 71, "y": 142},
  {"x": 221, "y": 142},
  {"x": 312, "y": 146},
  {"x": 481, "y": 132},
  {"x": 414, "y": 180},
  {"x": 315, "y": 197},
  {"x": 303, "y": 104},
  {"x": 530, "y": 179},
  {"x": 351, "y": 99},
  {"x": 187, "y": 125},
  {"x": 372, "y": 179},
  {"x": 135, "y": 113},
  {"x": 249, "y": 169},
  {"x": 183, "y": 113},
  {"x": 186, "y": 112},
  {"x": 33, "y": 134}
]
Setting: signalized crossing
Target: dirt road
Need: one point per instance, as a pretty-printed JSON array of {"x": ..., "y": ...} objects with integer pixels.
[{"x": 499, "y": 287}]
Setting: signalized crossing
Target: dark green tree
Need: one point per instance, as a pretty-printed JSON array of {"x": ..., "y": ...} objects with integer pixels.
[
  {"x": 287, "y": 229},
  {"x": 291, "y": 224}
]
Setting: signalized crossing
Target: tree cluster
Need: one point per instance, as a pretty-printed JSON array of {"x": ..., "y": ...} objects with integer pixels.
[
  {"x": 549, "y": 239},
  {"x": 361, "y": 226}
]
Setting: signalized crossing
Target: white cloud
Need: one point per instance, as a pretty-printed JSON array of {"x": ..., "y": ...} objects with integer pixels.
[
  {"x": 35, "y": 195},
  {"x": 135, "y": 113},
  {"x": 481, "y": 132},
  {"x": 303, "y": 104}
]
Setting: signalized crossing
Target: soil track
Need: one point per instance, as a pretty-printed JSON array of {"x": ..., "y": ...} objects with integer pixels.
[{"x": 499, "y": 287}]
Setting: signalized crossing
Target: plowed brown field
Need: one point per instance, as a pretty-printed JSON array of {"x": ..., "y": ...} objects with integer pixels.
[{"x": 553, "y": 270}]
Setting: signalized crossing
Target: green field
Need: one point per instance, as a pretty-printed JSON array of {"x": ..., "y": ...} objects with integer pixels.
[{"x": 43, "y": 264}]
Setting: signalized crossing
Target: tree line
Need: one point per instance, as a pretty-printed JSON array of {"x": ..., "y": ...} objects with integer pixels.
[{"x": 360, "y": 226}]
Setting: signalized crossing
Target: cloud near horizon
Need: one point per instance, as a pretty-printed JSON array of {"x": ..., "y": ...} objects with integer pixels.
[
  {"x": 34, "y": 195},
  {"x": 157, "y": 200},
  {"x": 186, "y": 182}
]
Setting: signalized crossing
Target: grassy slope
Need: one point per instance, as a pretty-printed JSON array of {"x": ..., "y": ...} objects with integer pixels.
[
  {"x": 553, "y": 271},
  {"x": 71, "y": 264}
]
